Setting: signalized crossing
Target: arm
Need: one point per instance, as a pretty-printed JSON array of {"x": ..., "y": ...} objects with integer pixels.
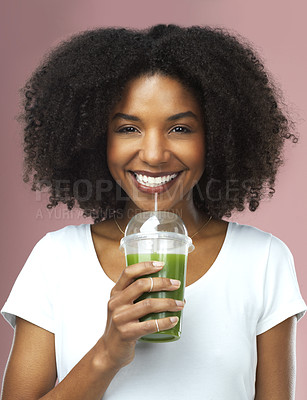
[
  {"x": 31, "y": 370},
  {"x": 276, "y": 367},
  {"x": 32, "y": 359}
]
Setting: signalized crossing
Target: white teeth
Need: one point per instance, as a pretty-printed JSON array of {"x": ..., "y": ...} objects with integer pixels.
[
  {"x": 144, "y": 178},
  {"x": 154, "y": 182}
]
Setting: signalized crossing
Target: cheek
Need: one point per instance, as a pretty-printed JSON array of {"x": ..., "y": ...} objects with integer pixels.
[
  {"x": 113, "y": 156},
  {"x": 118, "y": 154},
  {"x": 195, "y": 153},
  {"x": 199, "y": 150}
]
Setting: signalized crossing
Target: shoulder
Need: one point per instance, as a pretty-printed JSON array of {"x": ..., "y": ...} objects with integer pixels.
[
  {"x": 56, "y": 247},
  {"x": 67, "y": 237},
  {"x": 248, "y": 238},
  {"x": 255, "y": 237},
  {"x": 69, "y": 232},
  {"x": 258, "y": 246},
  {"x": 249, "y": 232}
]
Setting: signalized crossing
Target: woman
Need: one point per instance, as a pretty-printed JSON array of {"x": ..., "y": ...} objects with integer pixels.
[{"x": 110, "y": 116}]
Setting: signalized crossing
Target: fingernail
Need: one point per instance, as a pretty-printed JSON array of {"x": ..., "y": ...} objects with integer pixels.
[
  {"x": 174, "y": 282},
  {"x": 179, "y": 303},
  {"x": 158, "y": 263},
  {"x": 174, "y": 319}
]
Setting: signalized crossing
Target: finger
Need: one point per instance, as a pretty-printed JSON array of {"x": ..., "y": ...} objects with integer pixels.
[
  {"x": 144, "y": 307},
  {"x": 143, "y": 285},
  {"x": 156, "y": 325},
  {"x": 136, "y": 329},
  {"x": 129, "y": 274}
]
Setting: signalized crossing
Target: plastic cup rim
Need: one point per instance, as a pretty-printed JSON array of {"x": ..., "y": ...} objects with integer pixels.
[{"x": 179, "y": 237}]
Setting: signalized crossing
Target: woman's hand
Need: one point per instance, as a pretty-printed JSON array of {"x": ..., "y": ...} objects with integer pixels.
[{"x": 123, "y": 327}]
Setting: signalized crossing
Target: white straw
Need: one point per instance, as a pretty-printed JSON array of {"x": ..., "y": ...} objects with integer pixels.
[
  {"x": 156, "y": 201},
  {"x": 156, "y": 209}
]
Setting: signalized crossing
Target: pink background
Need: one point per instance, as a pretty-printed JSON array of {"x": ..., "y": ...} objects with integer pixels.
[{"x": 29, "y": 28}]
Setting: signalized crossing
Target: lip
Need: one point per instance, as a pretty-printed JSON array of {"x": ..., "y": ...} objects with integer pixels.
[{"x": 157, "y": 189}]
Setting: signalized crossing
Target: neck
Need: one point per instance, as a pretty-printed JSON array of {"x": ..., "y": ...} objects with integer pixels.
[{"x": 186, "y": 210}]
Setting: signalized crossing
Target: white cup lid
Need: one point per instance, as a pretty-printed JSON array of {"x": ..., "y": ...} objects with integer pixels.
[
  {"x": 155, "y": 221},
  {"x": 157, "y": 224}
]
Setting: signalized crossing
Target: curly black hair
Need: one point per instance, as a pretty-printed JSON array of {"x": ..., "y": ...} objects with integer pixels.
[{"x": 68, "y": 99}]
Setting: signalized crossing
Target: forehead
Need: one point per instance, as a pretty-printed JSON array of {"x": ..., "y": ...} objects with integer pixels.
[{"x": 157, "y": 90}]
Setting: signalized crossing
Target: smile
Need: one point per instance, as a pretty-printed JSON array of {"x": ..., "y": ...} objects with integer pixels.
[
  {"x": 150, "y": 181},
  {"x": 150, "y": 184}
]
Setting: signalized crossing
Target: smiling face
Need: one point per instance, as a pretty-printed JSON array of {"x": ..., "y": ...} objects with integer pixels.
[{"x": 156, "y": 130}]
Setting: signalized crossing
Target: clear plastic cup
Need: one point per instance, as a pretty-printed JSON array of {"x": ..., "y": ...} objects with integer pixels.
[{"x": 159, "y": 236}]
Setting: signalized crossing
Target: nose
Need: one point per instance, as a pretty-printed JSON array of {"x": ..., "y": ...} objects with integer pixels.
[{"x": 154, "y": 148}]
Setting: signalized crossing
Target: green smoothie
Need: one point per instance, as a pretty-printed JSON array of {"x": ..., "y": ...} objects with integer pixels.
[{"x": 175, "y": 268}]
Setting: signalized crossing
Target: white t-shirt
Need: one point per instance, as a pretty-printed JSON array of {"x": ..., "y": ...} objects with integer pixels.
[{"x": 250, "y": 288}]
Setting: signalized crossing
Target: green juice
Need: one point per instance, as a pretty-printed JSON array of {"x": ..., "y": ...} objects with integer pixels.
[{"x": 175, "y": 268}]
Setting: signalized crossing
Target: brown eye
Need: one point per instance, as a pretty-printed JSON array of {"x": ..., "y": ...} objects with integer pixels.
[
  {"x": 181, "y": 129},
  {"x": 127, "y": 129}
]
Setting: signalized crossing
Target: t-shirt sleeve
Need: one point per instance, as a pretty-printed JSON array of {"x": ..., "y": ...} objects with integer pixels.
[
  {"x": 31, "y": 297},
  {"x": 281, "y": 294}
]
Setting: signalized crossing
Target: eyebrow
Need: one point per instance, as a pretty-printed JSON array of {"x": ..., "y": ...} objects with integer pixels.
[{"x": 171, "y": 118}]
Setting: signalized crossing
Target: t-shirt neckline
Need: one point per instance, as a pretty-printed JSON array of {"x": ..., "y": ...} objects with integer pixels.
[{"x": 220, "y": 256}]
